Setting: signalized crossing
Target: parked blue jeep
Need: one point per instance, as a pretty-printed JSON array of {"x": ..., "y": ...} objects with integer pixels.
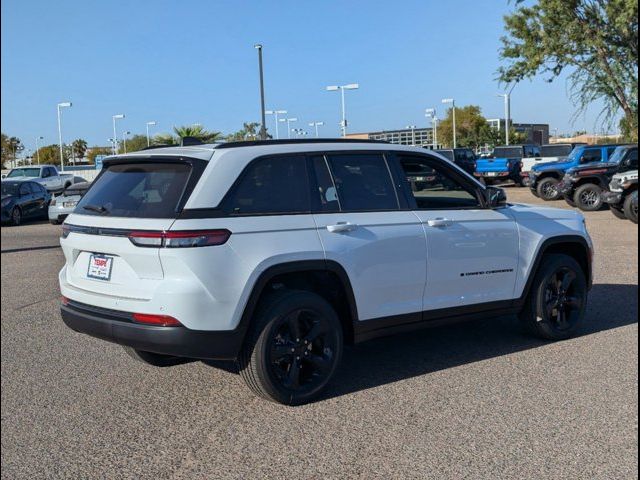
[
  {"x": 505, "y": 163},
  {"x": 544, "y": 179}
]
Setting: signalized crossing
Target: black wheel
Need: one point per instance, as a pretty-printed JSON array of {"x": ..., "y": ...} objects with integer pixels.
[
  {"x": 631, "y": 206},
  {"x": 293, "y": 347},
  {"x": 155, "y": 359},
  {"x": 617, "y": 212},
  {"x": 16, "y": 216},
  {"x": 558, "y": 298},
  {"x": 588, "y": 197},
  {"x": 548, "y": 189},
  {"x": 534, "y": 192}
]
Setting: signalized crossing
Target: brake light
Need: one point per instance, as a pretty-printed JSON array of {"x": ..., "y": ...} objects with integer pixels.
[
  {"x": 64, "y": 300},
  {"x": 65, "y": 230},
  {"x": 157, "y": 320},
  {"x": 180, "y": 239}
]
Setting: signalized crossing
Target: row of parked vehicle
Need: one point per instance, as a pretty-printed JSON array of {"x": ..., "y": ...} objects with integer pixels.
[
  {"x": 585, "y": 176},
  {"x": 39, "y": 192}
]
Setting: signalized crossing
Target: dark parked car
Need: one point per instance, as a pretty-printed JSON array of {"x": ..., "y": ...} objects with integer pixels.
[
  {"x": 465, "y": 158},
  {"x": 23, "y": 199},
  {"x": 582, "y": 186}
]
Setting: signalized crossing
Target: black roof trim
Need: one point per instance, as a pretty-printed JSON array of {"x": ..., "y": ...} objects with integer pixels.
[{"x": 256, "y": 143}]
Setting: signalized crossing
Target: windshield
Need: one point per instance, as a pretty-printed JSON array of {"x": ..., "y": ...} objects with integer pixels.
[
  {"x": 555, "y": 150},
  {"x": 24, "y": 172},
  {"x": 618, "y": 155},
  {"x": 142, "y": 190},
  {"x": 507, "y": 152},
  {"x": 9, "y": 188}
]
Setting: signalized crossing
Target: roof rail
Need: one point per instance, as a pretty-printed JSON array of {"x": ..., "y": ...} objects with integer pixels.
[
  {"x": 255, "y": 143},
  {"x": 153, "y": 147}
]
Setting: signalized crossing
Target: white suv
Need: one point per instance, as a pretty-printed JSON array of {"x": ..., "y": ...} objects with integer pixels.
[{"x": 277, "y": 253}]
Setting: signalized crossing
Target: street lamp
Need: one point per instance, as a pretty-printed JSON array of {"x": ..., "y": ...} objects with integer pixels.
[
  {"x": 275, "y": 113},
  {"x": 507, "y": 112},
  {"x": 263, "y": 127},
  {"x": 316, "y": 125},
  {"x": 61, "y": 105},
  {"x": 453, "y": 106},
  {"x": 38, "y": 148},
  {"x": 413, "y": 134},
  {"x": 115, "y": 135},
  {"x": 342, "y": 88},
  {"x": 150, "y": 124},
  {"x": 124, "y": 140},
  {"x": 431, "y": 113},
  {"x": 289, "y": 122}
]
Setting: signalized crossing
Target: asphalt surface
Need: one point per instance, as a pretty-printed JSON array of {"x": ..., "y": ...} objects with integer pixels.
[{"x": 480, "y": 400}]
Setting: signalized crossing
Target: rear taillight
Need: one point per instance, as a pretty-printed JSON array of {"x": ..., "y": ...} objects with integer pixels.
[
  {"x": 66, "y": 229},
  {"x": 64, "y": 300},
  {"x": 180, "y": 239},
  {"x": 157, "y": 320}
]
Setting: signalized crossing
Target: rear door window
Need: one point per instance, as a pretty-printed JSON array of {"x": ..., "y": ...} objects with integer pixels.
[
  {"x": 141, "y": 190},
  {"x": 272, "y": 185},
  {"x": 363, "y": 182},
  {"x": 592, "y": 155}
]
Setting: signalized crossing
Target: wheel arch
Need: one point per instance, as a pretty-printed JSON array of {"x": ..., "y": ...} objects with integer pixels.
[
  {"x": 574, "y": 246},
  {"x": 324, "y": 277}
]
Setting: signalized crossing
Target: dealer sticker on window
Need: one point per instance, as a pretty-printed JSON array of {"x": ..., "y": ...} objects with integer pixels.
[{"x": 100, "y": 267}]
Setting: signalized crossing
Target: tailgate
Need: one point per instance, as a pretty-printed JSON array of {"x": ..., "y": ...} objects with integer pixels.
[
  {"x": 486, "y": 165},
  {"x": 132, "y": 272}
]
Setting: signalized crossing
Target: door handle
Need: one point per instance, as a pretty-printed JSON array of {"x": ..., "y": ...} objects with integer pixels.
[
  {"x": 342, "y": 227},
  {"x": 440, "y": 222}
]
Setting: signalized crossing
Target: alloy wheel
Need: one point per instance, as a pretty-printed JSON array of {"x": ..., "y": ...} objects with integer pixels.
[
  {"x": 562, "y": 303},
  {"x": 303, "y": 350},
  {"x": 590, "y": 198}
]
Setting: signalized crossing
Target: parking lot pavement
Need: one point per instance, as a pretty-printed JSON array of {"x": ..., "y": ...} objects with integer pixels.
[{"x": 477, "y": 400}]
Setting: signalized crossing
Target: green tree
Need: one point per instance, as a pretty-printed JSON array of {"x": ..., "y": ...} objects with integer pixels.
[
  {"x": 249, "y": 131},
  {"x": 7, "y": 154},
  {"x": 50, "y": 154},
  {"x": 472, "y": 129},
  {"x": 79, "y": 148},
  {"x": 596, "y": 41},
  {"x": 195, "y": 131},
  {"x": 95, "y": 151},
  {"x": 135, "y": 143}
]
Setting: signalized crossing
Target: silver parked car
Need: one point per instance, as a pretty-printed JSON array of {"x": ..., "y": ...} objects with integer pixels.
[{"x": 66, "y": 202}]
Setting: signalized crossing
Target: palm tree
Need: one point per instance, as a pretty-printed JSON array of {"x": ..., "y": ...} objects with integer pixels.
[{"x": 197, "y": 131}]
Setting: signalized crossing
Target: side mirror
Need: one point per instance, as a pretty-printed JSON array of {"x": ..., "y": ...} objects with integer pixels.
[
  {"x": 4, "y": 175},
  {"x": 496, "y": 197}
]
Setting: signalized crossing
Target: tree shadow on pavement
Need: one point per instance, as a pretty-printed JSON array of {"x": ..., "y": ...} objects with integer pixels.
[{"x": 391, "y": 359}]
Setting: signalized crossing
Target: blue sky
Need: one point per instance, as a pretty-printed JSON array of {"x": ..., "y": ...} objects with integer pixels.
[{"x": 183, "y": 62}]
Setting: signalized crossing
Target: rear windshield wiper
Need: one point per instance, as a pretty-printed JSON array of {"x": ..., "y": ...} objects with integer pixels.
[{"x": 95, "y": 208}]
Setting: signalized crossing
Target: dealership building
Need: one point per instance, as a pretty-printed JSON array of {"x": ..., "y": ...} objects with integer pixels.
[{"x": 423, "y": 137}]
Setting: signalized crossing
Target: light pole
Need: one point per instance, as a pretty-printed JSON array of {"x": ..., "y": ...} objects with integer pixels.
[
  {"x": 316, "y": 125},
  {"x": 289, "y": 122},
  {"x": 413, "y": 134},
  {"x": 275, "y": 113},
  {"x": 342, "y": 88},
  {"x": 263, "y": 127},
  {"x": 38, "y": 148},
  {"x": 453, "y": 106},
  {"x": 124, "y": 140},
  {"x": 507, "y": 113},
  {"x": 431, "y": 113},
  {"x": 61, "y": 105},
  {"x": 150, "y": 124},
  {"x": 115, "y": 135}
]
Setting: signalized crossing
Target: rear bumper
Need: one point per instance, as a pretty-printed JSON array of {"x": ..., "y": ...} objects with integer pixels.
[{"x": 118, "y": 327}]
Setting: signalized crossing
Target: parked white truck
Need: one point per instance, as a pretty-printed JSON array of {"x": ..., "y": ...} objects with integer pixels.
[{"x": 46, "y": 175}]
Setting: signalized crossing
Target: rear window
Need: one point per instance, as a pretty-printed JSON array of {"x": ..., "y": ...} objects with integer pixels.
[
  {"x": 507, "y": 152},
  {"x": 141, "y": 190},
  {"x": 555, "y": 150}
]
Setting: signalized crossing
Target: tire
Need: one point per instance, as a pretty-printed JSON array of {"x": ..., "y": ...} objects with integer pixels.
[
  {"x": 16, "y": 216},
  {"x": 534, "y": 192},
  {"x": 618, "y": 212},
  {"x": 55, "y": 222},
  {"x": 557, "y": 301},
  {"x": 631, "y": 206},
  {"x": 154, "y": 359},
  {"x": 293, "y": 347},
  {"x": 588, "y": 197},
  {"x": 570, "y": 202},
  {"x": 548, "y": 189}
]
